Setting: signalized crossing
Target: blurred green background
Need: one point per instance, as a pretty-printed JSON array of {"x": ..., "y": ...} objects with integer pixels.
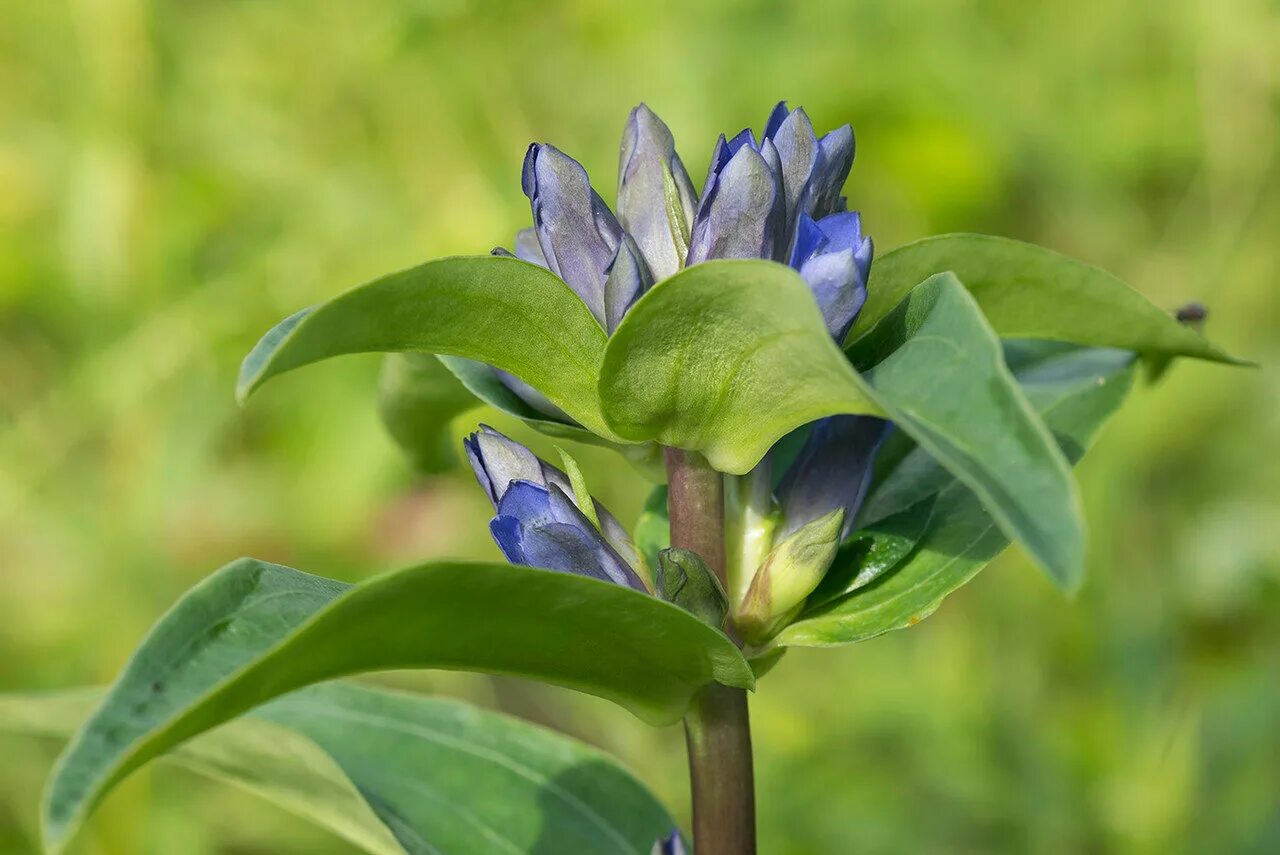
[{"x": 177, "y": 176}]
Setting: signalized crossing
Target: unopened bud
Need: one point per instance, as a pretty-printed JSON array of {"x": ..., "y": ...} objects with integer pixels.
[
  {"x": 684, "y": 579},
  {"x": 789, "y": 574}
]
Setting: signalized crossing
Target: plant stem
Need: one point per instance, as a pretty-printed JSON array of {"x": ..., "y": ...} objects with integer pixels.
[{"x": 717, "y": 728}]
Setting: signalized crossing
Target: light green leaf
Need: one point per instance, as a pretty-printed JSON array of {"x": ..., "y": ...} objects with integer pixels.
[
  {"x": 1075, "y": 391},
  {"x": 727, "y": 357},
  {"x": 724, "y": 358},
  {"x": 1027, "y": 291},
  {"x": 418, "y": 398},
  {"x": 501, "y": 311},
  {"x": 254, "y": 631},
  {"x": 396, "y": 773}
]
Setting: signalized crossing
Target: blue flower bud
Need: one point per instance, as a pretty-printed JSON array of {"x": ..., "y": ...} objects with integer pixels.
[
  {"x": 628, "y": 277},
  {"x": 834, "y": 257},
  {"x": 833, "y": 470},
  {"x": 539, "y": 522},
  {"x": 577, "y": 232},
  {"x": 742, "y": 210},
  {"x": 813, "y": 170},
  {"x": 672, "y": 844},
  {"x": 655, "y": 197}
]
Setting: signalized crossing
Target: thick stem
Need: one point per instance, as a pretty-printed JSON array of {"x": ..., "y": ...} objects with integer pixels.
[{"x": 717, "y": 729}]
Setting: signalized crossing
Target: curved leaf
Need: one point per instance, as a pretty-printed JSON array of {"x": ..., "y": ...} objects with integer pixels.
[
  {"x": 724, "y": 358},
  {"x": 942, "y": 368},
  {"x": 727, "y": 357},
  {"x": 1075, "y": 390},
  {"x": 398, "y": 773},
  {"x": 1027, "y": 291},
  {"x": 254, "y": 631},
  {"x": 499, "y": 310},
  {"x": 480, "y": 381}
]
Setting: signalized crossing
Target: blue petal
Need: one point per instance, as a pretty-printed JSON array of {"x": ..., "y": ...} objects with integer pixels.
[
  {"x": 528, "y": 502},
  {"x": 577, "y": 232},
  {"x": 833, "y": 470},
  {"x": 831, "y": 171},
  {"x": 528, "y": 248},
  {"x": 798, "y": 153},
  {"x": 628, "y": 278},
  {"x": 498, "y": 461},
  {"x": 507, "y": 534},
  {"x": 655, "y": 196},
  {"x": 838, "y": 289},
  {"x": 741, "y": 210},
  {"x": 776, "y": 117}
]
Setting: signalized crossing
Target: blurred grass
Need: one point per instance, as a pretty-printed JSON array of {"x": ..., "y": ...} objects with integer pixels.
[{"x": 175, "y": 177}]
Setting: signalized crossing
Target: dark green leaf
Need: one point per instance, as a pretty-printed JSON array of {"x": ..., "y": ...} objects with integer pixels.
[
  {"x": 1027, "y": 291},
  {"x": 254, "y": 631},
  {"x": 498, "y": 310},
  {"x": 1075, "y": 392},
  {"x": 359, "y": 762},
  {"x": 941, "y": 372}
]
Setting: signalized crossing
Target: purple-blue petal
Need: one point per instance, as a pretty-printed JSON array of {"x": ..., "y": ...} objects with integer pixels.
[
  {"x": 832, "y": 470},
  {"x": 576, "y": 230}
]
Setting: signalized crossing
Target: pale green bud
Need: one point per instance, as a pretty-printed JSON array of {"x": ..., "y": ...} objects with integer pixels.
[{"x": 788, "y": 575}]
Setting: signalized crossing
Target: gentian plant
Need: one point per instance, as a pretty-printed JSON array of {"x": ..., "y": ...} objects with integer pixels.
[{"x": 838, "y": 445}]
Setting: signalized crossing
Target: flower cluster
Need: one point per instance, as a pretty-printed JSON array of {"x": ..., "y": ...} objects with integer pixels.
[{"x": 776, "y": 197}]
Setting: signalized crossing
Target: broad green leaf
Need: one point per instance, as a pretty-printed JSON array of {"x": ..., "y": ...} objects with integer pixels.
[
  {"x": 1027, "y": 291},
  {"x": 397, "y": 773},
  {"x": 942, "y": 370},
  {"x": 501, "y": 311},
  {"x": 418, "y": 399},
  {"x": 727, "y": 357},
  {"x": 1075, "y": 391},
  {"x": 254, "y": 631}
]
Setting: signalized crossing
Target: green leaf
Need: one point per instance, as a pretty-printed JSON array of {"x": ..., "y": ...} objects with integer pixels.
[
  {"x": 397, "y": 773},
  {"x": 941, "y": 372},
  {"x": 501, "y": 311},
  {"x": 1027, "y": 291},
  {"x": 872, "y": 551},
  {"x": 727, "y": 357},
  {"x": 418, "y": 398},
  {"x": 254, "y": 631},
  {"x": 724, "y": 358},
  {"x": 1075, "y": 391}
]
